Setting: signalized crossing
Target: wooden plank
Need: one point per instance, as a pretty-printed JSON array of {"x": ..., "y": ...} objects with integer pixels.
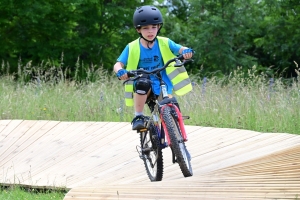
[
  {"x": 98, "y": 160},
  {"x": 34, "y": 152},
  {"x": 226, "y": 157},
  {"x": 7, "y": 128},
  {"x": 256, "y": 147},
  {"x": 95, "y": 158},
  {"x": 30, "y": 162},
  {"x": 44, "y": 153},
  {"x": 13, "y": 137},
  {"x": 3, "y": 125},
  {"x": 282, "y": 163},
  {"x": 22, "y": 142},
  {"x": 296, "y": 186},
  {"x": 59, "y": 162},
  {"x": 171, "y": 192}
]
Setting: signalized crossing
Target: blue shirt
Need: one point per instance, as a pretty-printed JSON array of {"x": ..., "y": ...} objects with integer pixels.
[{"x": 151, "y": 59}]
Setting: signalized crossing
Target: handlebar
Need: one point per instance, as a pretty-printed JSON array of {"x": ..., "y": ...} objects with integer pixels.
[{"x": 136, "y": 74}]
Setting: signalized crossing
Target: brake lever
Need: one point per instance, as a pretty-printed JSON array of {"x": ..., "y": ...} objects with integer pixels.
[{"x": 179, "y": 63}]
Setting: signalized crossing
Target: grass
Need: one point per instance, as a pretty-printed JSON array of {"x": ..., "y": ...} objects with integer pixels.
[
  {"x": 254, "y": 103},
  {"x": 19, "y": 193},
  {"x": 241, "y": 100}
]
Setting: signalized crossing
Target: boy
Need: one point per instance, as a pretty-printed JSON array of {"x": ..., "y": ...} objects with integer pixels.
[{"x": 149, "y": 52}]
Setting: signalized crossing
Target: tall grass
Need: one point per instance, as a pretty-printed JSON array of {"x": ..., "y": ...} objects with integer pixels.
[
  {"x": 243, "y": 100},
  {"x": 246, "y": 101}
]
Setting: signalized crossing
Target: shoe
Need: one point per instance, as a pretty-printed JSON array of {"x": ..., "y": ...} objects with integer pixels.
[{"x": 138, "y": 122}]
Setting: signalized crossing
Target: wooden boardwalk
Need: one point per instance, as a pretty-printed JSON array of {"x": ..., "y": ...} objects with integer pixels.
[{"x": 98, "y": 160}]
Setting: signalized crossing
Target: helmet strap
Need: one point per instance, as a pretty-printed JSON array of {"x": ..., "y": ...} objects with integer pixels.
[{"x": 150, "y": 41}]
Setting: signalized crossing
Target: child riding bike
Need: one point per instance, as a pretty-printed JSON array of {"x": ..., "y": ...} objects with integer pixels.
[{"x": 149, "y": 52}]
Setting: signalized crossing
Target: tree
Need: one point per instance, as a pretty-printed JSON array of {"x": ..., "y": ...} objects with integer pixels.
[
  {"x": 222, "y": 29},
  {"x": 277, "y": 43},
  {"x": 95, "y": 31}
]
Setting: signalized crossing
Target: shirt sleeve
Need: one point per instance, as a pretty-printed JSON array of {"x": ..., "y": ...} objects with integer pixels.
[
  {"x": 124, "y": 56},
  {"x": 174, "y": 47}
]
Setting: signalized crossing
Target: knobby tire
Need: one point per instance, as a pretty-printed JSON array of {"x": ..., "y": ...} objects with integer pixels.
[
  {"x": 153, "y": 160},
  {"x": 177, "y": 143}
]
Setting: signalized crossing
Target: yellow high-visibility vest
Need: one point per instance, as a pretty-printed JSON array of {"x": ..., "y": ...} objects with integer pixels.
[{"x": 177, "y": 75}]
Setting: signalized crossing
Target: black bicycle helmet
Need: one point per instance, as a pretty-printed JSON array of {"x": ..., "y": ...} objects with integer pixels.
[{"x": 147, "y": 15}]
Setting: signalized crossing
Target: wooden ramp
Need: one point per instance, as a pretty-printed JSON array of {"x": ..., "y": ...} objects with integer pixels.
[{"x": 98, "y": 160}]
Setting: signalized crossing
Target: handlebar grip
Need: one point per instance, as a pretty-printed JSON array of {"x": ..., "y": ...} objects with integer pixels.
[
  {"x": 130, "y": 74},
  {"x": 180, "y": 57}
]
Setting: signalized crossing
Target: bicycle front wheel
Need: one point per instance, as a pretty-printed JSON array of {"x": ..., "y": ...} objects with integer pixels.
[
  {"x": 177, "y": 142},
  {"x": 152, "y": 153}
]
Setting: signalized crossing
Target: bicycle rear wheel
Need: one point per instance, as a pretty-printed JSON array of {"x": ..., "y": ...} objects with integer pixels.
[
  {"x": 152, "y": 153},
  {"x": 177, "y": 142}
]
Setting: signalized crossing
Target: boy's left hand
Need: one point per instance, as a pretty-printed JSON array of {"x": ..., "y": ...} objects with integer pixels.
[{"x": 188, "y": 53}]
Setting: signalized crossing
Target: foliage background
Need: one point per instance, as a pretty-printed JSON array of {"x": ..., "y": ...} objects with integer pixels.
[{"x": 224, "y": 33}]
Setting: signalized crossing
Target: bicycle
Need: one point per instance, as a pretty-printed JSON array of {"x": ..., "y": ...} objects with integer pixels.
[{"x": 165, "y": 128}]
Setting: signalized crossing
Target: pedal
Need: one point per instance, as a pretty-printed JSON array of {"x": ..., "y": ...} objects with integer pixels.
[
  {"x": 142, "y": 130},
  {"x": 185, "y": 117}
]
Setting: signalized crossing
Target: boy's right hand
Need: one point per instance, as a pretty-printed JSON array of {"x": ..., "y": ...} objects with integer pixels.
[
  {"x": 188, "y": 53},
  {"x": 122, "y": 74}
]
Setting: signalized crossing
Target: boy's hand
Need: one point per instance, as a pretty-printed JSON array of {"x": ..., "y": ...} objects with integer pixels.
[
  {"x": 188, "y": 53},
  {"x": 122, "y": 74}
]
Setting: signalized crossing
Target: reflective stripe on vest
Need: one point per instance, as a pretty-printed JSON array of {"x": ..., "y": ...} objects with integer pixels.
[
  {"x": 177, "y": 75},
  {"x": 129, "y": 93}
]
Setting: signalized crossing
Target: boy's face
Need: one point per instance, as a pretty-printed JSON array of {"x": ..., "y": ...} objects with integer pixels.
[{"x": 149, "y": 32}]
